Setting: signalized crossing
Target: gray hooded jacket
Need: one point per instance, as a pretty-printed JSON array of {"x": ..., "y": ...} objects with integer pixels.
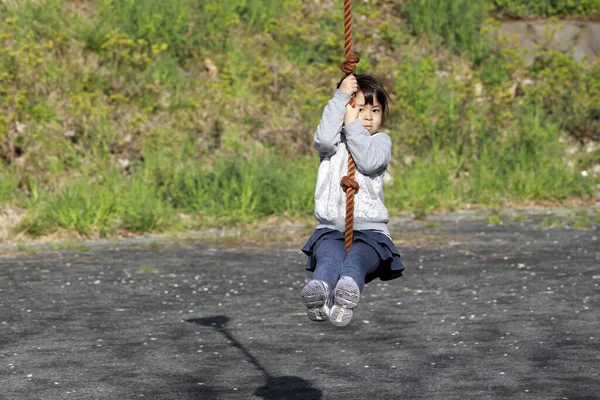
[{"x": 371, "y": 154}]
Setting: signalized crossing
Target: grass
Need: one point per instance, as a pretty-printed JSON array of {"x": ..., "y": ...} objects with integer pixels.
[
  {"x": 520, "y": 218},
  {"x": 582, "y": 222},
  {"x": 456, "y": 22},
  {"x": 69, "y": 246},
  {"x": 146, "y": 269},
  {"x": 110, "y": 122},
  {"x": 234, "y": 191},
  {"x": 553, "y": 222},
  {"x": 495, "y": 219}
]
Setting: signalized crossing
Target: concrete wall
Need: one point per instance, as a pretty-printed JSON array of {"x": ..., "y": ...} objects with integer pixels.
[{"x": 580, "y": 40}]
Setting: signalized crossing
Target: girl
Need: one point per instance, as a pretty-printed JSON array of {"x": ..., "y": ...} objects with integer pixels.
[{"x": 339, "y": 276}]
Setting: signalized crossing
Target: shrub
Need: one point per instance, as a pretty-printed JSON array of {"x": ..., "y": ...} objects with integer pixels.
[
  {"x": 457, "y": 22},
  {"x": 547, "y": 8}
]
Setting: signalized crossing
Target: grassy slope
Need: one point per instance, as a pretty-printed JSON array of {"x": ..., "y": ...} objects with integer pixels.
[{"x": 160, "y": 115}]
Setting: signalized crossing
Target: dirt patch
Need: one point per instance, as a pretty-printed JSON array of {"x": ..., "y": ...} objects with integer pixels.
[{"x": 9, "y": 219}]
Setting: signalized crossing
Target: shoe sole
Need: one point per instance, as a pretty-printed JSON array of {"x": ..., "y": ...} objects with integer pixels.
[
  {"x": 317, "y": 314},
  {"x": 347, "y": 296},
  {"x": 347, "y": 293},
  {"x": 314, "y": 297},
  {"x": 340, "y": 316}
]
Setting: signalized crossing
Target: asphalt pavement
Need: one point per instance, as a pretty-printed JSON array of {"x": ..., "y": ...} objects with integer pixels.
[{"x": 506, "y": 311}]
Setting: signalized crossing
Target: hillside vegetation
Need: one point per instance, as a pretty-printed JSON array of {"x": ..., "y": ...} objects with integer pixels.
[{"x": 148, "y": 115}]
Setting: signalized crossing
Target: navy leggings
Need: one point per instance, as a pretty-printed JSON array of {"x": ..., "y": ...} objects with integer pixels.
[{"x": 332, "y": 262}]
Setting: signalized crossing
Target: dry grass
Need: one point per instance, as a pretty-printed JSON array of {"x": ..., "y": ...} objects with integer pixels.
[{"x": 9, "y": 218}]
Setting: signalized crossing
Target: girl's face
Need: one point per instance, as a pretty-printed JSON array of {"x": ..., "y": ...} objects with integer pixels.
[{"x": 369, "y": 115}]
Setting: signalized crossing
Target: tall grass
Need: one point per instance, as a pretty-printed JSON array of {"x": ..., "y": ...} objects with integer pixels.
[
  {"x": 456, "y": 22},
  {"x": 153, "y": 21},
  {"x": 8, "y": 186},
  {"x": 530, "y": 166},
  {"x": 233, "y": 191},
  {"x": 247, "y": 188}
]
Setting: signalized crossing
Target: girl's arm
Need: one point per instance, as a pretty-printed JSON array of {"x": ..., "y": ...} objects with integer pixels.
[
  {"x": 327, "y": 135},
  {"x": 371, "y": 153}
]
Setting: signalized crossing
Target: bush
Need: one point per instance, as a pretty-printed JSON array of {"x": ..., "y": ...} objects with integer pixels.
[
  {"x": 154, "y": 22},
  {"x": 456, "y": 22},
  {"x": 547, "y": 8}
]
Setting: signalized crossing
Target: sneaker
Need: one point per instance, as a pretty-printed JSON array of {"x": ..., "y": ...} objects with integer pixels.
[
  {"x": 346, "y": 298},
  {"x": 315, "y": 297}
]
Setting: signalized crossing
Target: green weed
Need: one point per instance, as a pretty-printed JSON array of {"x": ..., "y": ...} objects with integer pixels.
[
  {"x": 69, "y": 246},
  {"x": 553, "y": 222},
  {"x": 519, "y": 218},
  {"x": 146, "y": 269},
  {"x": 455, "y": 21},
  {"x": 582, "y": 222},
  {"x": 546, "y": 8},
  {"x": 145, "y": 208},
  {"x": 494, "y": 219},
  {"x": 8, "y": 186}
]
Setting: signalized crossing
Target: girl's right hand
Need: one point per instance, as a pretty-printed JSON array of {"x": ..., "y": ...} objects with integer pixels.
[{"x": 349, "y": 85}]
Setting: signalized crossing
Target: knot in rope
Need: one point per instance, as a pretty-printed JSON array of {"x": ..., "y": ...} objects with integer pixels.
[
  {"x": 348, "y": 183},
  {"x": 349, "y": 65}
]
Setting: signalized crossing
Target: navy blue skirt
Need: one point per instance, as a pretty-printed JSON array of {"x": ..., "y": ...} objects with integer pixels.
[{"x": 390, "y": 266}]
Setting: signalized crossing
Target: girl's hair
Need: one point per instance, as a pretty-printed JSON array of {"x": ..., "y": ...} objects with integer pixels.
[{"x": 371, "y": 88}]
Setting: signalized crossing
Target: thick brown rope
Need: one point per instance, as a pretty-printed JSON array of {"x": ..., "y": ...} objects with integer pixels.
[{"x": 349, "y": 184}]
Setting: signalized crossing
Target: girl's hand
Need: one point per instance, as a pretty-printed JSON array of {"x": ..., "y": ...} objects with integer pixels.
[
  {"x": 349, "y": 85},
  {"x": 351, "y": 114}
]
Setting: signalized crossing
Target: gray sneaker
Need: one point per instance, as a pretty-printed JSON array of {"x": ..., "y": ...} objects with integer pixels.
[
  {"x": 346, "y": 298},
  {"x": 316, "y": 298}
]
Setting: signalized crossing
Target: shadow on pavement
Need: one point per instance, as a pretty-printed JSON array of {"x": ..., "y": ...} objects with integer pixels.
[{"x": 275, "y": 387}]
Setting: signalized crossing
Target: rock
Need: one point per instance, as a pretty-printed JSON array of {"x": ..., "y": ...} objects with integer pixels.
[
  {"x": 20, "y": 161},
  {"x": 20, "y": 127},
  {"x": 565, "y": 38},
  {"x": 211, "y": 68},
  {"x": 478, "y": 89},
  {"x": 519, "y": 29},
  {"x": 593, "y": 33},
  {"x": 529, "y": 49},
  {"x": 579, "y": 40},
  {"x": 542, "y": 34},
  {"x": 123, "y": 162},
  {"x": 583, "y": 52}
]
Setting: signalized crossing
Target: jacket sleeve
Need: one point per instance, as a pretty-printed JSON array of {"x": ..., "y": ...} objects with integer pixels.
[
  {"x": 371, "y": 153},
  {"x": 327, "y": 135}
]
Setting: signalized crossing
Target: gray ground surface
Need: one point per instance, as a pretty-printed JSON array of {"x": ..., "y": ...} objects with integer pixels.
[{"x": 483, "y": 312}]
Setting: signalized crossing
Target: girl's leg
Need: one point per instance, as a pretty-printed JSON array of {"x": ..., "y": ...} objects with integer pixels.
[
  {"x": 362, "y": 259},
  {"x": 330, "y": 256},
  {"x": 317, "y": 295}
]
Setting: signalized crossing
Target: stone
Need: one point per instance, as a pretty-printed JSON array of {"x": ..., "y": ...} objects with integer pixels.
[
  {"x": 593, "y": 32},
  {"x": 542, "y": 34},
  {"x": 513, "y": 31},
  {"x": 211, "y": 68},
  {"x": 582, "y": 50},
  {"x": 565, "y": 38},
  {"x": 579, "y": 40},
  {"x": 528, "y": 47},
  {"x": 556, "y": 36}
]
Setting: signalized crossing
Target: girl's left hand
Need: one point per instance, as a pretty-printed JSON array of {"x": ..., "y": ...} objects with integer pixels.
[{"x": 351, "y": 114}]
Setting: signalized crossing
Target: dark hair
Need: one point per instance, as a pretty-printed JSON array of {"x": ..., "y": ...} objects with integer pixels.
[{"x": 371, "y": 88}]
